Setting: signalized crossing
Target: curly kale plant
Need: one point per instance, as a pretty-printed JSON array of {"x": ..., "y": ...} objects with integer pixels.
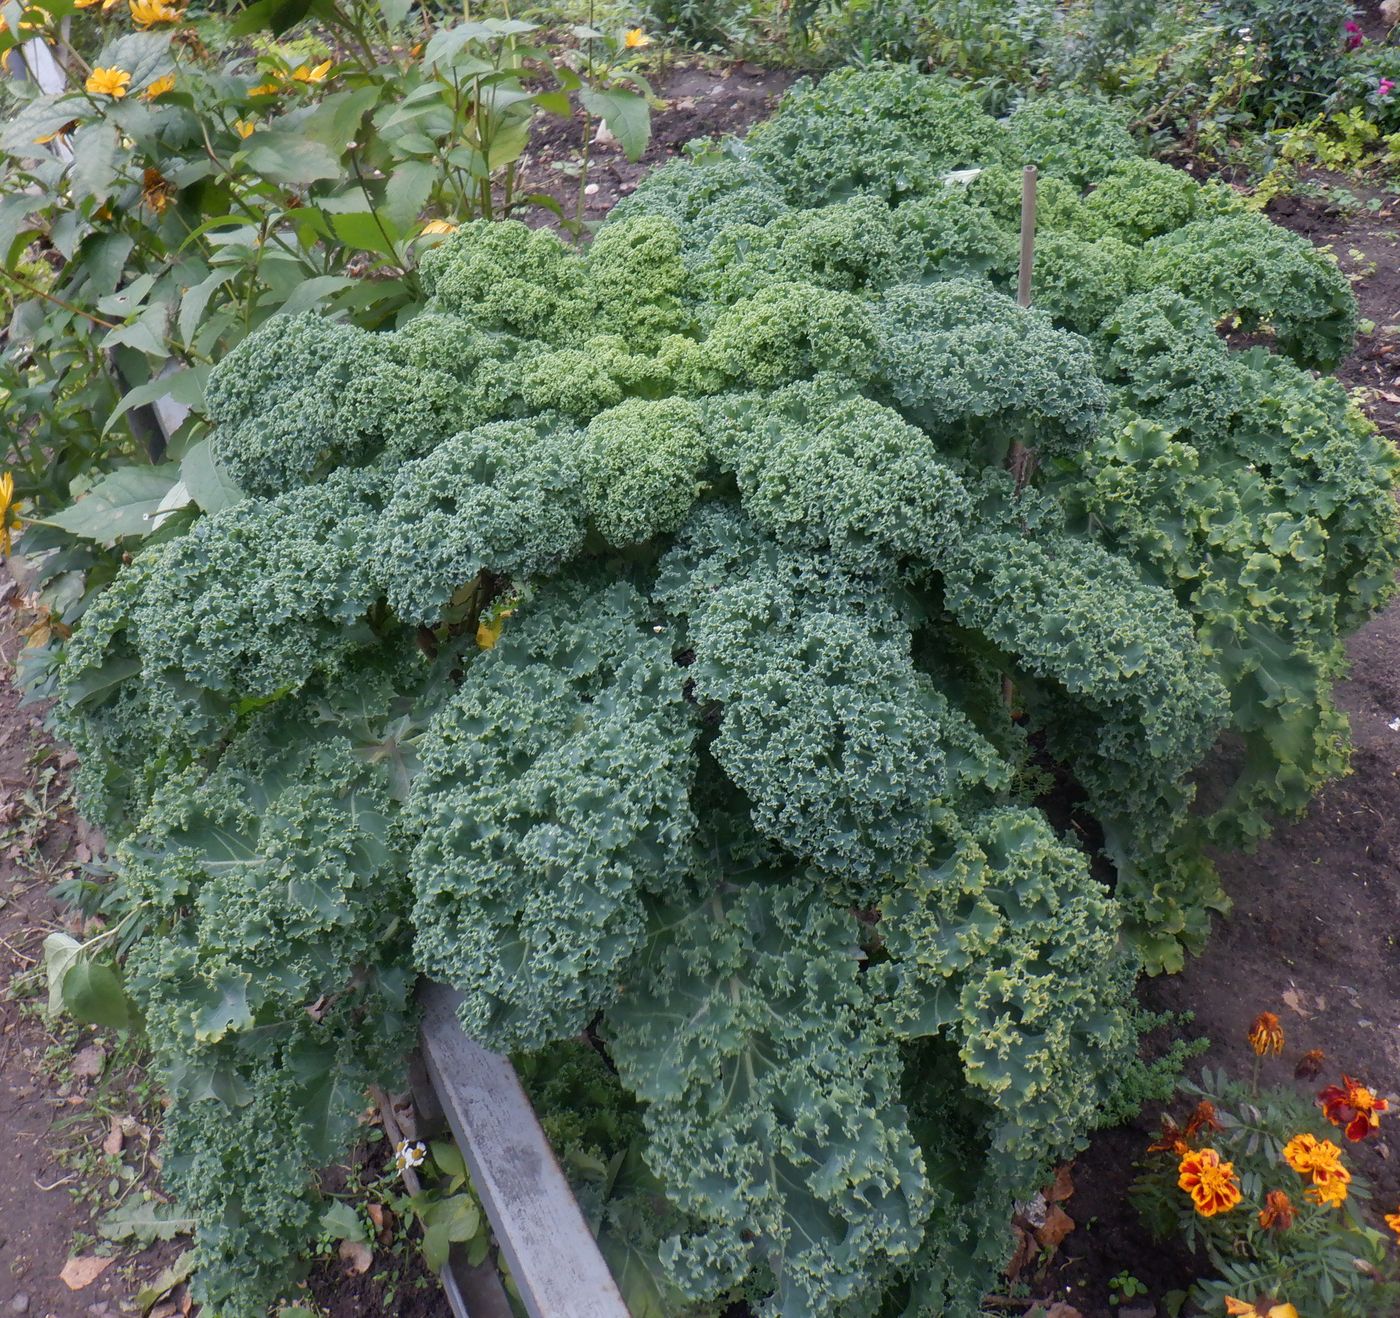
[{"x": 650, "y": 641}]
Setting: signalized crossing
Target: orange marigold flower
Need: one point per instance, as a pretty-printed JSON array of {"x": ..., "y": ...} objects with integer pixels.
[
  {"x": 1310, "y": 1064},
  {"x": 1392, "y": 1220},
  {"x": 1332, "y": 1192},
  {"x": 1278, "y": 1212},
  {"x": 1352, "y": 1106},
  {"x": 1266, "y": 1034},
  {"x": 1309, "y": 1156},
  {"x": 1210, "y": 1182},
  {"x": 1203, "y": 1118}
]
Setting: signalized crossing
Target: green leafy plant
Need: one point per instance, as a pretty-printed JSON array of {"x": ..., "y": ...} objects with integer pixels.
[
  {"x": 171, "y": 199},
  {"x": 651, "y": 641}
]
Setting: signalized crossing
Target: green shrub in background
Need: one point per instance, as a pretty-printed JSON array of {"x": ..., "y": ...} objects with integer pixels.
[
  {"x": 201, "y": 176},
  {"x": 627, "y": 639}
]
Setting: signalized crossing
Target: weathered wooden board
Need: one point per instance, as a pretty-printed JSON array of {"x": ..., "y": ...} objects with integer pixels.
[{"x": 553, "y": 1257}]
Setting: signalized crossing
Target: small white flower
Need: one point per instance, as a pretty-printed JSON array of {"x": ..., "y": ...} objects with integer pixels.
[{"x": 410, "y": 1153}]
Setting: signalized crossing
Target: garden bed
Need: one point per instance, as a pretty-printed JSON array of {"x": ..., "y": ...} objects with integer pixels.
[{"x": 1320, "y": 954}]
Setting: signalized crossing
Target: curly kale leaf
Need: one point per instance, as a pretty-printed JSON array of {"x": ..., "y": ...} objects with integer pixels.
[
  {"x": 1076, "y": 138},
  {"x": 1246, "y": 267},
  {"x": 553, "y": 794},
  {"x": 1004, "y": 942},
  {"x": 641, "y": 465},
  {"x": 849, "y": 477},
  {"x": 302, "y": 396},
  {"x": 1163, "y": 353},
  {"x": 966, "y": 364},
  {"x": 505, "y": 498},
  {"x": 892, "y": 133},
  {"x": 834, "y": 737},
  {"x": 772, "y": 1100},
  {"x": 703, "y": 198}
]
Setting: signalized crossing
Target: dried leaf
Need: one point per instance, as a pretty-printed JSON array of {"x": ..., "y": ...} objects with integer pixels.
[
  {"x": 1062, "y": 1310},
  {"x": 1294, "y": 1001},
  {"x": 357, "y": 1255},
  {"x": 1022, "y": 1256},
  {"x": 83, "y": 1271},
  {"x": 90, "y": 1061},
  {"x": 115, "y": 1140},
  {"x": 376, "y": 1215},
  {"x": 1058, "y": 1224},
  {"x": 1063, "y": 1187}
]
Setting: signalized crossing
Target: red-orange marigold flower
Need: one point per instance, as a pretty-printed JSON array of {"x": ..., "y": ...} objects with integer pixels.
[
  {"x": 1210, "y": 1182},
  {"x": 1352, "y": 1106},
  {"x": 1310, "y": 1064},
  {"x": 1278, "y": 1212},
  {"x": 1171, "y": 1140},
  {"x": 1203, "y": 1118},
  {"x": 1266, "y": 1034}
]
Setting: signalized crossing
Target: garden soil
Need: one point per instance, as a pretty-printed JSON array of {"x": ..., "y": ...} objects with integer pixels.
[{"x": 1313, "y": 936}]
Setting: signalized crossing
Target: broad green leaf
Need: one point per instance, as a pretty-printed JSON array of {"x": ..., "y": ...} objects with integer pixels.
[
  {"x": 209, "y": 485},
  {"x": 93, "y": 994},
  {"x": 61, "y": 952},
  {"x": 103, "y": 256},
  {"x": 290, "y": 160},
  {"x": 183, "y": 385},
  {"x": 362, "y": 230},
  {"x": 407, "y": 192},
  {"x": 341, "y": 1222},
  {"x": 144, "y": 55},
  {"x": 395, "y": 11},
  {"x": 41, "y": 117},
  {"x": 97, "y": 160},
  {"x": 123, "y": 503},
  {"x": 146, "y": 1221},
  {"x": 195, "y": 300},
  {"x": 311, "y": 293},
  {"x": 223, "y": 1007},
  {"x": 626, "y": 114}
]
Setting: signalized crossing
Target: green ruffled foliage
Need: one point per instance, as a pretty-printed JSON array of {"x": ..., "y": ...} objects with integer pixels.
[{"x": 626, "y": 641}]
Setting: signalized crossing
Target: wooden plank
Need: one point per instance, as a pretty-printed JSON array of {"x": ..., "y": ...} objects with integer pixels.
[{"x": 553, "y": 1257}]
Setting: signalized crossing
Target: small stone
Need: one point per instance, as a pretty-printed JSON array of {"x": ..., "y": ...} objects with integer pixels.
[
  {"x": 1149, "y": 1312},
  {"x": 20, "y": 1304}
]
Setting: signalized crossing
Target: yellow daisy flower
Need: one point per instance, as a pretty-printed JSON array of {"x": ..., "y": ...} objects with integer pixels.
[{"x": 108, "y": 82}]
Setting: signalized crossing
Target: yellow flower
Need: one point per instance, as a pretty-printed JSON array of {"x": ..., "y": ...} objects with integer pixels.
[
  {"x": 9, "y": 515},
  {"x": 107, "y": 5},
  {"x": 108, "y": 82},
  {"x": 165, "y": 83},
  {"x": 264, "y": 89},
  {"x": 243, "y": 127},
  {"x": 147, "y": 13},
  {"x": 1259, "y": 1309},
  {"x": 636, "y": 39},
  {"x": 27, "y": 25},
  {"x": 438, "y": 226},
  {"x": 304, "y": 73},
  {"x": 1392, "y": 1220}
]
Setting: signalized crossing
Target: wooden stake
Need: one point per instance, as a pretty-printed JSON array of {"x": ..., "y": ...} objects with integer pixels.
[{"x": 1028, "y": 204}]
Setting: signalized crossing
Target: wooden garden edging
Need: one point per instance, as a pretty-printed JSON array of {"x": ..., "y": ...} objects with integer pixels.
[{"x": 553, "y": 1257}]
